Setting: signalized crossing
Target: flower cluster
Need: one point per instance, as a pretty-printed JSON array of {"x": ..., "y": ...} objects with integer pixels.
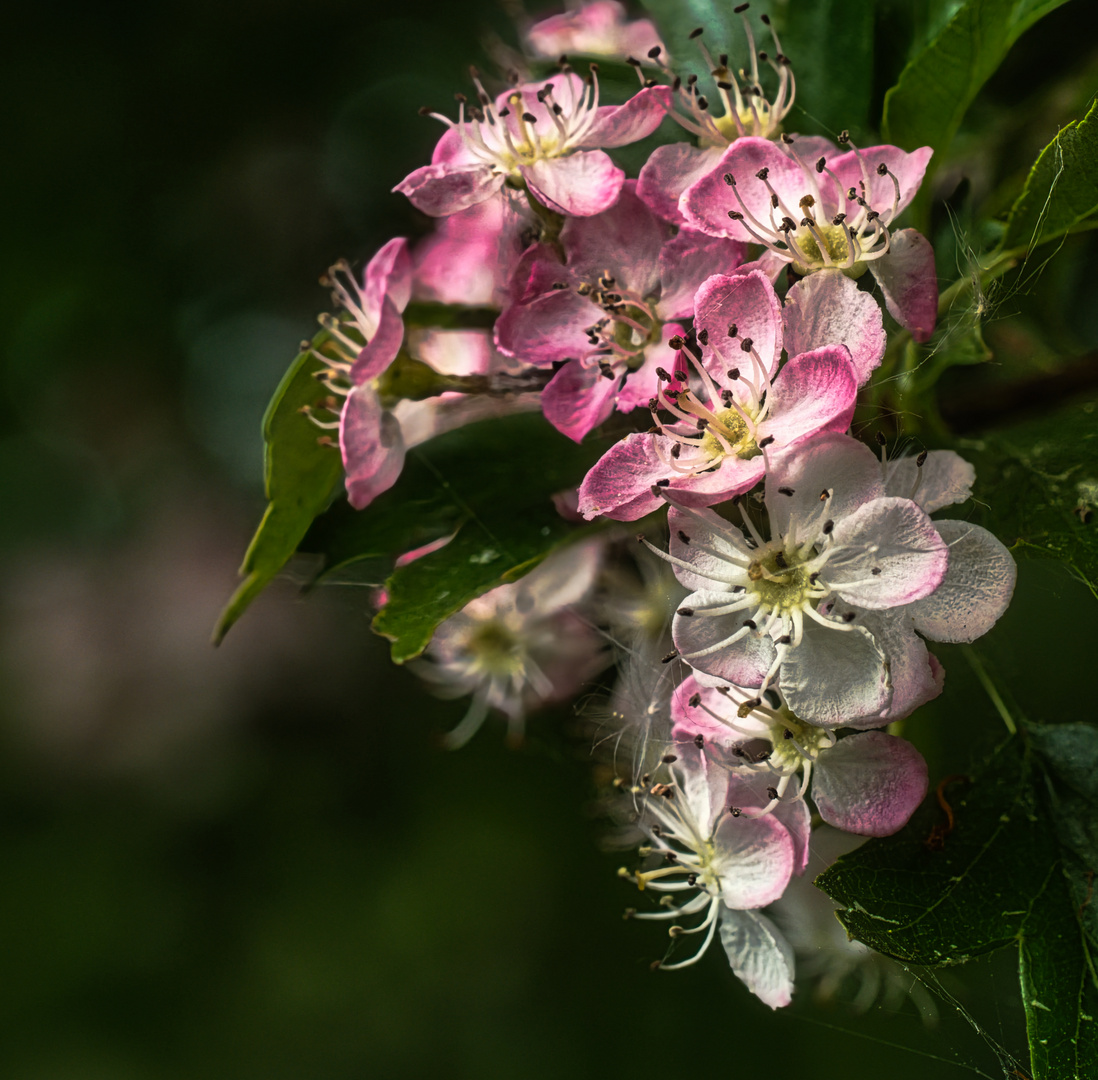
[{"x": 719, "y": 302}]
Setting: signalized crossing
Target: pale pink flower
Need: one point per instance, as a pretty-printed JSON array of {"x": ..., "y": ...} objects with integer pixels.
[
  {"x": 519, "y": 646},
  {"x": 604, "y": 316},
  {"x": 366, "y": 336},
  {"x": 868, "y": 782},
  {"x": 735, "y": 406},
  {"x": 597, "y": 29},
  {"x": 804, "y": 609},
  {"x": 721, "y": 857},
  {"x": 544, "y": 137},
  {"x": 832, "y": 213}
]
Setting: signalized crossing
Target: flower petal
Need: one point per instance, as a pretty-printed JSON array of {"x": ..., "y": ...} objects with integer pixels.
[
  {"x": 710, "y": 545},
  {"x": 760, "y": 956},
  {"x": 828, "y": 308},
  {"x": 754, "y": 857},
  {"x": 381, "y": 350},
  {"x": 870, "y": 783},
  {"x": 858, "y": 169},
  {"x": 439, "y": 190},
  {"x": 388, "y": 273},
  {"x": 669, "y": 171},
  {"x": 686, "y": 262},
  {"x": 886, "y": 553},
  {"x": 578, "y": 185},
  {"x": 943, "y": 478},
  {"x": 578, "y": 398},
  {"x": 976, "y": 589},
  {"x": 619, "y": 125},
  {"x": 909, "y": 282},
  {"x": 372, "y": 446},
  {"x": 835, "y": 675},
  {"x": 748, "y": 302},
  {"x": 547, "y": 328},
  {"x": 813, "y": 392},
  {"x": 705, "y": 642}
]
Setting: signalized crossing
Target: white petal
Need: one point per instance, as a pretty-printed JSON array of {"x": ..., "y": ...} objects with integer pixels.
[
  {"x": 759, "y": 954},
  {"x": 754, "y": 857},
  {"x": 943, "y": 478},
  {"x": 976, "y": 590}
]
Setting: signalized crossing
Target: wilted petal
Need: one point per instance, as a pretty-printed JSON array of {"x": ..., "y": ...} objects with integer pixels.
[
  {"x": 669, "y": 171},
  {"x": 578, "y": 398},
  {"x": 578, "y": 185},
  {"x": 886, "y": 553},
  {"x": 439, "y": 190},
  {"x": 943, "y": 478},
  {"x": 835, "y": 675},
  {"x": 759, "y": 954},
  {"x": 976, "y": 589},
  {"x": 372, "y": 446},
  {"x": 828, "y": 308},
  {"x": 619, "y": 125},
  {"x": 909, "y": 282},
  {"x": 869, "y": 784}
]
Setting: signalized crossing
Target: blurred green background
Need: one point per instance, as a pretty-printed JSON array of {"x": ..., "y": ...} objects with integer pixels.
[{"x": 253, "y": 862}]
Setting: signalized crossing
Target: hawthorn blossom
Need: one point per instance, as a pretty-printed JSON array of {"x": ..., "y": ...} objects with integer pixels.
[
  {"x": 597, "y": 29},
  {"x": 868, "y": 783},
  {"x": 365, "y": 338},
  {"x": 716, "y": 857},
  {"x": 806, "y": 608},
  {"x": 604, "y": 314},
  {"x": 519, "y": 646},
  {"x": 746, "y": 110},
  {"x": 541, "y": 137},
  {"x": 829, "y": 211},
  {"x": 720, "y": 422}
]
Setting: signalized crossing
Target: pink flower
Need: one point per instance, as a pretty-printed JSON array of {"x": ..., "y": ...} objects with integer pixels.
[
  {"x": 833, "y": 214},
  {"x": 869, "y": 783},
  {"x": 604, "y": 314},
  {"x": 539, "y": 136},
  {"x": 519, "y": 646},
  {"x": 712, "y": 446},
  {"x": 597, "y": 29},
  {"x": 799, "y": 609},
  {"x": 366, "y": 336}
]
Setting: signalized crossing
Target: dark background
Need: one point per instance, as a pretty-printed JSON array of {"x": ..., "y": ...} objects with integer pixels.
[{"x": 253, "y": 861}]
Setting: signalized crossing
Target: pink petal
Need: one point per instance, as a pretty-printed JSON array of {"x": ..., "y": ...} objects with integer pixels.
[
  {"x": 828, "y": 308},
  {"x": 372, "y": 446},
  {"x": 439, "y": 190},
  {"x": 756, "y": 859},
  {"x": 915, "y": 677},
  {"x": 794, "y": 814},
  {"x": 549, "y": 328},
  {"x": 669, "y": 171},
  {"x": 686, "y": 261},
  {"x": 813, "y": 392},
  {"x": 858, "y": 169},
  {"x": 689, "y": 720},
  {"x": 641, "y": 385},
  {"x": 834, "y": 676},
  {"x": 388, "y": 273},
  {"x": 381, "y": 350},
  {"x": 705, "y": 204},
  {"x": 909, "y": 282},
  {"x": 869, "y": 784},
  {"x": 846, "y": 468},
  {"x": 625, "y": 240},
  {"x": 578, "y": 398},
  {"x": 943, "y": 478},
  {"x": 760, "y": 956},
  {"x": 699, "y": 638},
  {"x": 976, "y": 589},
  {"x": 452, "y": 149},
  {"x": 619, "y": 125},
  {"x": 896, "y": 555},
  {"x": 577, "y": 186},
  {"x": 749, "y": 302}
]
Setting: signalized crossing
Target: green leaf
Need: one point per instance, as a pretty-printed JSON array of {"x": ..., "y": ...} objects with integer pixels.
[
  {"x": 999, "y": 877},
  {"x": 935, "y": 89},
  {"x": 830, "y": 46},
  {"x": 301, "y": 475},
  {"x": 491, "y": 485},
  {"x": 1061, "y": 191},
  {"x": 1040, "y": 479}
]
